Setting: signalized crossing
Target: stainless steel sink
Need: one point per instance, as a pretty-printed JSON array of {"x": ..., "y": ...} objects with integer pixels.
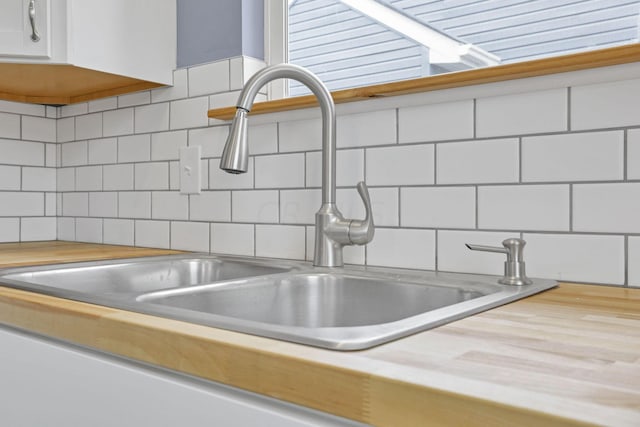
[{"x": 338, "y": 308}]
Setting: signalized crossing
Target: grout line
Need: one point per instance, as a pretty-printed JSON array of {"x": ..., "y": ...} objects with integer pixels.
[{"x": 626, "y": 260}]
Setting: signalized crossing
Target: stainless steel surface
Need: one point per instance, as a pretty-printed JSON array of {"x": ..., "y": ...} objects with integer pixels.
[
  {"x": 514, "y": 266},
  {"x": 35, "y": 37},
  {"x": 338, "y": 308},
  {"x": 333, "y": 231}
]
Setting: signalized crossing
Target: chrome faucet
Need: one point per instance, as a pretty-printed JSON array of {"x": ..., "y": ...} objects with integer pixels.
[{"x": 333, "y": 231}]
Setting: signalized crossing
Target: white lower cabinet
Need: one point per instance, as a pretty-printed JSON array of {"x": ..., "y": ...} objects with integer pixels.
[{"x": 48, "y": 383}]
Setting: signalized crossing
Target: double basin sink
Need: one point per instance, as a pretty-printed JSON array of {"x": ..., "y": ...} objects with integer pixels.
[{"x": 347, "y": 308}]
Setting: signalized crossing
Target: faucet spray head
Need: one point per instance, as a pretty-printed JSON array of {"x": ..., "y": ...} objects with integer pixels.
[{"x": 235, "y": 157}]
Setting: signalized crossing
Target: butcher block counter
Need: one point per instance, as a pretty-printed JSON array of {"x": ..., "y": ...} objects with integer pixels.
[{"x": 568, "y": 356}]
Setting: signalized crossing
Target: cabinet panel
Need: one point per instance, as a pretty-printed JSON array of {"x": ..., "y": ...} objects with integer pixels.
[{"x": 16, "y": 30}]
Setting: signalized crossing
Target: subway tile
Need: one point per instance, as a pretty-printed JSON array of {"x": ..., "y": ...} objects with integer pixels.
[
  {"x": 35, "y": 229},
  {"x": 256, "y": 206},
  {"x": 170, "y": 205},
  {"x": 280, "y": 241},
  {"x": 299, "y": 206},
  {"x": 209, "y": 78},
  {"x": 522, "y": 113},
  {"x": 74, "y": 153},
  {"x": 454, "y": 256},
  {"x": 633, "y": 154},
  {"x": 166, "y": 145},
  {"x": 436, "y": 122},
  {"x": 236, "y": 73},
  {"x": 633, "y": 261},
  {"x": 263, "y": 139},
  {"x": 118, "y": 122},
  {"x": 573, "y": 157},
  {"x": 210, "y": 206},
  {"x": 366, "y": 129},
  {"x": 118, "y": 231},
  {"x": 279, "y": 171},
  {"x": 190, "y": 236},
  {"x": 250, "y": 66},
  {"x": 66, "y": 228},
  {"x": 134, "y": 204},
  {"x": 9, "y": 126},
  {"x": 10, "y": 177},
  {"x": 605, "y": 105},
  {"x": 51, "y": 112},
  {"x": 74, "y": 109},
  {"x": 349, "y": 168},
  {"x": 59, "y": 204},
  {"x": 22, "y": 153},
  {"x": 38, "y": 179},
  {"x": 152, "y": 118},
  {"x": 38, "y": 129},
  {"x": 225, "y": 99},
  {"x": 21, "y": 204},
  {"x": 103, "y": 151},
  {"x": 211, "y": 139},
  {"x": 133, "y": 99},
  {"x": 22, "y": 108},
  {"x": 66, "y": 129},
  {"x": 75, "y": 204},
  {"x": 385, "y": 205},
  {"x": 300, "y": 135},
  {"x": 117, "y": 177},
  {"x": 89, "y": 126},
  {"x": 577, "y": 258},
  {"x": 406, "y": 165},
  {"x": 392, "y": 247},
  {"x": 524, "y": 207},
  {"x": 51, "y": 204},
  {"x": 135, "y": 148},
  {"x": 103, "y": 204},
  {"x": 152, "y": 234},
  {"x": 151, "y": 176},
  {"x": 51, "y": 155},
  {"x": 66, "y": 179},
  {"x": 9, "y": 230},
  {"x": 221, "y": 180},
  {"x": 179, "y": 89},
  {"x": 89, "y": 230},
  {"x": 89, "y": 178},
  {"x": 472, "y": 162},
  {"x": 189, "y": 113},
  {"x": 606, "y": 207},
  {"x": 233, "y": 239},
  {"x": 449, "y": 207},
  {"x": 103, "y": 104}
]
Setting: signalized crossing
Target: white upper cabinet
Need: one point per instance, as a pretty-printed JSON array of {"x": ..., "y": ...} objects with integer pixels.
[{"x": 24, "y": 28}]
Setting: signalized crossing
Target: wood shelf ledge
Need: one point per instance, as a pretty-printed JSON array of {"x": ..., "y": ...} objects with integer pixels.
[{"x": 539, "y": 67}]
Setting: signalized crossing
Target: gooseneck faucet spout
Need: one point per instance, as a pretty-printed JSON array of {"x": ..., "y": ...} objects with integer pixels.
[{"x": 333, "y": 231}]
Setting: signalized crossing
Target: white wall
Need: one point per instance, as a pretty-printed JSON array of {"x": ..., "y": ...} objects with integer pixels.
[{"x": 555, "y": 160}]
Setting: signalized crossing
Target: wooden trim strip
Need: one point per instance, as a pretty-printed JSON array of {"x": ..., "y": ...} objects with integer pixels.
[{"x": 539, "y": 67}]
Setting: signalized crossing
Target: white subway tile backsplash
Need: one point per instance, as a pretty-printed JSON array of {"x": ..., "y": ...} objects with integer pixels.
[
  {"x": 210, "y": 206},
  {"x": 134, "y": 148},
  {"x": 190, "y": 236},
  {"x": 152, "y": 118},
  {"x": 38, "y": 179},
  {"x": 103, "y": 204},
  {"x": 179, "y": 89},
  {"x": 66, "y": 179},
  {"x": 89, "y": 178},
  {"x": 66, "y": 129},
  {"x": 573, "y": 157},
  {"x": 134, "y": 204},
  {"x": 89, "y": 126},
  {"x": 9, "y": 126},
  {"x": 233, "y": 239},
  {"x": 35, "y": 229},
  {"x": 9, "y": 230},
  {"x": 166, "y": 145},
  {"x": 487, "y": 161},
  {"x": 609, "y": 208},
  {"x": 118, "y": 122},
  {"x": 605, "y": 105},
  {"x": 21, "y": 108},
  {"x": 103, "y": 151},
  {"x": 118, "y": 231},
  {"x": 38, "y": 129},
  {"x": 453, "y": 255},
  {"x": 525, "y": 207},
  {"x": 263, "y": 139},
  {"x": 74, "y": 153},
  {"x": 21, "y": 204},
  {"x": 189, "y": 113},
  {"x": 448, "y": 207},
  {"x": 74, "y": 109},
  {"x": 280, "y": 241},
  {"x": 103, "y": 104},
  {"x": 152, "y": 234},
  {"x": 51, "y": 155},
  {"x": 580, "y": 258},
  {"x": 66, "y": 228},
  {"x": 152, "y": 176},
  {"x": 633, "y": 261},
  {"x": 366, "y": 129},
  {"x": 209, "y": 78},
  {"x": 22, "y": 153},
  {"x": 385, "y": 205},
  {"x": 221, "y": 180},
  {"x": 280, "y": 171},
  {"x": 51, "y": 204},
  {"x": 300, "y": 135},
  {"x": 633, "y": 154},
  {"x": 299, "y": 206},
  {"x": 349, "y": 168},
  {"x": 257, "y": 206},
  {"x": 402, "y": 165},
  {"x": 211, "y": 139},
  {"x": 522, "y": 113},
  {"x": 170, "y": 205},
  {"x": 436, "y": 122},
  {"x": 75, "y": 204},
  {"x": 404, "y": 248},
  {"x": 133, "y": 99},
  {"x": 117, "y": 177},
  {"x": 10, "y": 177},
  {"x": 89, "y": 230}
]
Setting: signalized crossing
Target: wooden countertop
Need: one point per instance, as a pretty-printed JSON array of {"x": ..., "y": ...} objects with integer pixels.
[{"x": 569, "y": 356}]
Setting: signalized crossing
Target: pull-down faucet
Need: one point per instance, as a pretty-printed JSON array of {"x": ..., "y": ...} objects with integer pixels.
[{"x": 333, "y": 231}]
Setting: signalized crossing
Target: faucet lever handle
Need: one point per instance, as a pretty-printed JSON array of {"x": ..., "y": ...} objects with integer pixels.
[
  {"x": 514, "y": 271},
  {"x": 361, "y": 231}
]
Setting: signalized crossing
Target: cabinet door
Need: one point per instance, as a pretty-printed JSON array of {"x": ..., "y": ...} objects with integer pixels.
[{"x": 24, "y": 28}]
